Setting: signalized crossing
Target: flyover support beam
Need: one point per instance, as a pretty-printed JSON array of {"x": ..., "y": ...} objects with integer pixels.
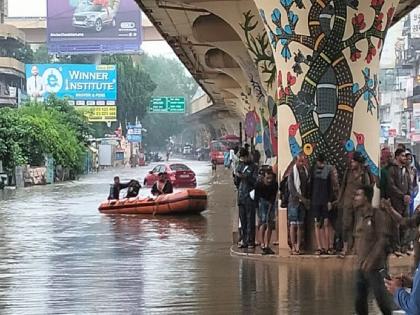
[{"x": 327, "y": 56}]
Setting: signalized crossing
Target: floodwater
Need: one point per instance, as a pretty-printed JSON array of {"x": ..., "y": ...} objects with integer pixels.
[{"x": 60, "y": 256}]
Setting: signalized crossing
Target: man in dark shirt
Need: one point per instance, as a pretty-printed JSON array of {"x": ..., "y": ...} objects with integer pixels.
[
  {"x": 246, "y": 174},
  {"x": 373, "y": 235},
  {"x": 399, "y": 191},
  {"x": 133, "y": 189},
  {"x": 322, "y": 195},
  {"x": 266, "y": 193},
  {"x": 162, "y": 186},
  {"x": 114, "y": 193}
]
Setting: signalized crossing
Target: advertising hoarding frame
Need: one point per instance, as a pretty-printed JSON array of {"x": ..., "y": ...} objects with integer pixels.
[
  {"x": 79, "y": 27},
  {"x": 76, "y": 82}
]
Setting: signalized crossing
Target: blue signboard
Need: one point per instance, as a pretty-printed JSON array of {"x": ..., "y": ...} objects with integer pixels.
[
  {"x": 72, "y": 81},
  {"x": 134, "y": 133}
]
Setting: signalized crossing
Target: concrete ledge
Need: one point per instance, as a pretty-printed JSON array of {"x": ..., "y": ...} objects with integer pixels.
[{"x": 283, "y": 256}]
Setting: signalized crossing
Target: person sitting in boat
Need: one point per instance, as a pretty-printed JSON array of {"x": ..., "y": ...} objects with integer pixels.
[
  {"x": 133, "y": 189},
  {"x": 114, "y": 192},
  {"x": 162, "y": 186}
]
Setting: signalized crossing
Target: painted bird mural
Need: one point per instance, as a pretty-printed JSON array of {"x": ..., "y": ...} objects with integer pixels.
[
  {"x": 360, "y": 139},
  {"x": 295, "y": 148},
  {"x": 349, "y": 147}
]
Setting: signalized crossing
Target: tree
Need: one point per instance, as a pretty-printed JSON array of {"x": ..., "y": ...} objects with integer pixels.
[
  {"x": 172, "y": 79},
  {"x": 135, "y": 88},
  {"x": 41, "y": 55},
  {"x": 55, "y": 128},
  {"x": 12, "y": 139}
]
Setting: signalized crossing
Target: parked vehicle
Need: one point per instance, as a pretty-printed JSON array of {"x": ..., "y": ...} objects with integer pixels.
[
  {"x": 153, "y": 157},
  {"x": 179, "y": 174},
  {"x": 219, "y": 147},
  {"x": 187, "y": 150},
  {"x": 93, "y": 16},
  {"x": 202, "y": 154}
]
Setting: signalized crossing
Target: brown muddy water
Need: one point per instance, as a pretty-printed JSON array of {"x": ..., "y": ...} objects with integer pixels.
[{"x": 60, "y": 256}]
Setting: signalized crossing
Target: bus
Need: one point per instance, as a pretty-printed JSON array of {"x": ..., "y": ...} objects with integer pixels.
[{"x": 220, "y": 146}]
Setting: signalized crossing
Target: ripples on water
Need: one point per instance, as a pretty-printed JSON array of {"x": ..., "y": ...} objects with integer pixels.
[{"x": 60, "y": 256}]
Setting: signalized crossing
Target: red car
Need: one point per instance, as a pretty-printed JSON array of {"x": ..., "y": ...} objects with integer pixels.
[{"x": 179, "y": 174}]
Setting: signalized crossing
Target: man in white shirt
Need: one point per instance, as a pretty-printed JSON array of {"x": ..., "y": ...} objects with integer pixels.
[{"x": 35, "y": 86}]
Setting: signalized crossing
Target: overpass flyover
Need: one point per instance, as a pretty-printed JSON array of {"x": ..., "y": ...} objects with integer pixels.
[
  {"x": 225, "y": 45},
  {"x": 35, "y": 29},
  {"x": 301, "y": 74}
]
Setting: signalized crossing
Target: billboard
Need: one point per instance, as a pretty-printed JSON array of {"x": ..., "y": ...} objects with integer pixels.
[
  {"x": 134, "y": 133},
  {"x": 99, "y": 113},
  {"x": 72, "y": 81},
  {"x": 93, "y": 26}
]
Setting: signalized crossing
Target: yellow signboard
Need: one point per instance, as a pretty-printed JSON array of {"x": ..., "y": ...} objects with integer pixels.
[{"x": 99, "y": 113}]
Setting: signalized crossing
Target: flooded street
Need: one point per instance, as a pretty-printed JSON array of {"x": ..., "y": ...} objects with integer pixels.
[{"x": 60, "y": 256}]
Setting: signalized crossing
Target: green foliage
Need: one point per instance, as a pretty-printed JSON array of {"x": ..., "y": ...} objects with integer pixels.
[
  {"x": 172, "y": 79},
  {"x": 135, "y": 88},
  {"x": 26, "y": 134},
  {"x": 12, "y": 135},
  {"x": 41, "y": 55},
  {"x": 24, "y": 54}
]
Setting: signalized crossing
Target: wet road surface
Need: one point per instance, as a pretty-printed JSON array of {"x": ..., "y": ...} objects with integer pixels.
[{"x": 60, "y": 256}]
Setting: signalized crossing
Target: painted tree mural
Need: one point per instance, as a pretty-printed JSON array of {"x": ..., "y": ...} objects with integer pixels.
[
  {"x": 323, "y": 104},
  {"x": 261, "y": 52}
]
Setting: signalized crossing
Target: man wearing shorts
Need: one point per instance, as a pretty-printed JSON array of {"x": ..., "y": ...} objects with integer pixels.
[
  {"x": 322, "y": 195},
  {"x": 266, "y": 193},
  {"x": 297, "y": 183}
]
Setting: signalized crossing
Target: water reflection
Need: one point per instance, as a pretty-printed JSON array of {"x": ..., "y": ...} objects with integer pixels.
[{"x": 60, "y": 256}]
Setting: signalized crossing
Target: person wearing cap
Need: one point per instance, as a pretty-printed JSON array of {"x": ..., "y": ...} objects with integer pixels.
[
  {"x": 162, "y": 186},
  {"x": 355, "y": 177}
]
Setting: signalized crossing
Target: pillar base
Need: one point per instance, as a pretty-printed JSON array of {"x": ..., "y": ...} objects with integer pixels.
[{"x": 282, "y": 228}]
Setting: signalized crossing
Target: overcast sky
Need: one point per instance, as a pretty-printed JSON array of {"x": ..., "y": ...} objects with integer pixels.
[{"x": 38, "y": 8}]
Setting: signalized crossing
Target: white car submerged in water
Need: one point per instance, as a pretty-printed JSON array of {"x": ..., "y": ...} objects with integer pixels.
[{"x": 88, "y": 15}]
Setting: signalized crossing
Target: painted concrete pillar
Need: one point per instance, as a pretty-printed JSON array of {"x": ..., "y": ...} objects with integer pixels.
[{"x": 327, "y": 57}]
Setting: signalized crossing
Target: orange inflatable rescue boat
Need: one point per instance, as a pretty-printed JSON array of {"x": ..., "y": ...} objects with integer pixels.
[{"x": 187, "y": 201}]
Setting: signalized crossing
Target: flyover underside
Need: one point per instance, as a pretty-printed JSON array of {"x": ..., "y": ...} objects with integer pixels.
[{"x": 210, "y": 49}]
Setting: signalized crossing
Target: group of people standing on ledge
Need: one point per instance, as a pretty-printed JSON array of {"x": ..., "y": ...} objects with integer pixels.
[
  {"x": 257, "y": 196},
  {"x": 315, "y": 196},
  {"x": 340, "y": 216}
]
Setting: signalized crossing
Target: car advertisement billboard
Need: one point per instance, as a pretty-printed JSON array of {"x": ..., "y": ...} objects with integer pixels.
[
  {"x": 73, "y": 81},
  {"x": 93, "y": 26}
]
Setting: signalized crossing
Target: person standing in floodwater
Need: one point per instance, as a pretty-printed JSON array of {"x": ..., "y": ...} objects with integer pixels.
[
  {"x": 246, "y": 174},
  {"x": 373, "y": 234}
]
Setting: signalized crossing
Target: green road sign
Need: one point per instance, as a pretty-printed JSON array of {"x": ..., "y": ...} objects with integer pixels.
[{"x": 167, "y": 105}]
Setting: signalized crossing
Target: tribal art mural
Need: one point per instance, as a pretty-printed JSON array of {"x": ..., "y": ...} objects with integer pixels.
[
  {"x": 261, "y": 52},
  {"x": 323, "y": 104}
]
